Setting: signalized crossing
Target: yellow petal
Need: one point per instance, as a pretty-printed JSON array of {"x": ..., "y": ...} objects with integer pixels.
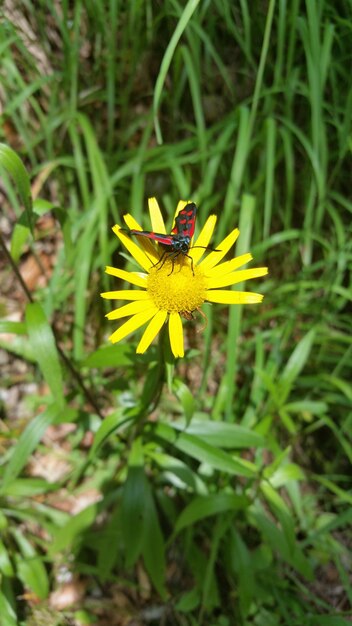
[
  {"x": 131, "y": 277},
  {"x": 176, "y": 335},
  {"x": 156, "y": 218},
  {"x": 204, "y": 238},
  {"x": 131, "y": 222},
  {"x": 146, "y": 244},
  {"x": 126, "y": 294},
  {"x": 236, "y": 277},
  {"x": 151, "y": 331},
  {"x": 138, "y": 254},
  {"x": 229, "y": 266},
  {"x": 131, "y": 326},
  {"x": 215, "y": 257},
  {"x": 129, "y": 309},
  {"x": 227, "y": 296}
]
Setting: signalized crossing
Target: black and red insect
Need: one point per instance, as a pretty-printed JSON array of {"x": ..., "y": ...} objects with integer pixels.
[{"x": 179, "y": 241}]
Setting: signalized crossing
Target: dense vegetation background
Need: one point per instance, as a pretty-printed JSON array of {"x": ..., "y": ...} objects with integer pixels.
[{"x": 109, "y": 512}]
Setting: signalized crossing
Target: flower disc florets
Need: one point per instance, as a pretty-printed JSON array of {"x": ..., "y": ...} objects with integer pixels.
[{"x": 176, "y": 289}]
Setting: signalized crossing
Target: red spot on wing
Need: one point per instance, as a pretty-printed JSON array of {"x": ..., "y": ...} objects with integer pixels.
[{"x": 186, "y": 220}]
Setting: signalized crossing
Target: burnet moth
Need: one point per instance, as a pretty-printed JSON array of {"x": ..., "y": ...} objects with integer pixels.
[{"x": 179, "y": 241}]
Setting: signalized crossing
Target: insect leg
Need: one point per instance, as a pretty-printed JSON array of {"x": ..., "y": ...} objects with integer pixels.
[
  {"x": 189, "y": 257},
  {"x": 161, "y": 260},
  {"x": 173, "y": 256}
]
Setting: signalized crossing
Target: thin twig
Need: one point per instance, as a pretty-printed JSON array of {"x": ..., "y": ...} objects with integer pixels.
[{"x": 76, "y": 375}]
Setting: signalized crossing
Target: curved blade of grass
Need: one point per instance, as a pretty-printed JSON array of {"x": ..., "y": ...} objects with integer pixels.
[
  {"x": 166, "y": 62},
  {"x": 247, "y": 121},
  {"x": 269, "y": 174},
  {"x": 237, "y": 169},
  {"x": 235, "y": 314},
  {"x": 195, "y": 89}
]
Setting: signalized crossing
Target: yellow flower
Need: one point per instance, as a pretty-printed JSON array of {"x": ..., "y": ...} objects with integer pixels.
[{"x": 173, "y": 289}]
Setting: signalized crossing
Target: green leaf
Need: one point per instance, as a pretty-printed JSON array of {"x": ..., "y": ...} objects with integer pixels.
[
  {"x": 133, "y": 506},
  {"x": 186, "y": 398},
  {"x": 84, "y": 618},
  {"x": 222, "y": 434},
  {"x": 153, "y": 549},
  {"x": 111, "y": 424},
  {"x": 205, "y": 506},
  {"x": 277, "y": 540},
  {"x": 343, "y": 494},
  {"x": 272, "y": 534},
  {"x": 6, "y": 567},
  {"x": 307, "y": 407},
  {"x": 284, "y": 474},
  {"x": 177, "y": 472},
  {"x": 16, "y": 328},
  {"x": 242, "y": 563},
  {"x": 41, "y": 206},
  {"x": 11, "y": 162},
  {"x": 21, "y": 233},
  {"x": 110, "y": 545},
  {"x": 75, "y": 526},
  {"x": 19, "y": 237},
  {"x": 189, "y": 601},
  {"x": 18, "y": 345},
  {"x": 343, "y": 385},
  {"x": 7, "y": 611},
  {"x": 281, "y": 511},
  {"x": 119, "y": 355},
  {"x": 297, "y": 360},
  {"x": 26, "y": 487},
  {"x": 3, "y": 521},
  {"x": 30, "y": 567},
  {"x": 27, "y": 443},
  {"x": 66, "y": 226},
  {"x": 42, "y": 340},
  {"x": 198, "y": 562},
  {"x": 205, "y": 453}
]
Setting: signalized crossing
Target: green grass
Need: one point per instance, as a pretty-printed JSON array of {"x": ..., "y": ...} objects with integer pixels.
[{"x": 222, "y": 479}]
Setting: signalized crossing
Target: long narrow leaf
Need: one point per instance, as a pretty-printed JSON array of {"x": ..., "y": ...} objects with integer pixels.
[
  {"x": 27, "y": 443},
  {"x": 11, "y": 162},
  {"x": 43, "y": 344}
]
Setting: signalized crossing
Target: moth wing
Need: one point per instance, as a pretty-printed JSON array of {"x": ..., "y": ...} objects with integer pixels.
[
  {"x": 158, "y": 237},
  {"x": 186, "y": 220}
]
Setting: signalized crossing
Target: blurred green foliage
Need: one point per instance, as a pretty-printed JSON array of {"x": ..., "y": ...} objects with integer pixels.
[{"x": 229, "y": 487}]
